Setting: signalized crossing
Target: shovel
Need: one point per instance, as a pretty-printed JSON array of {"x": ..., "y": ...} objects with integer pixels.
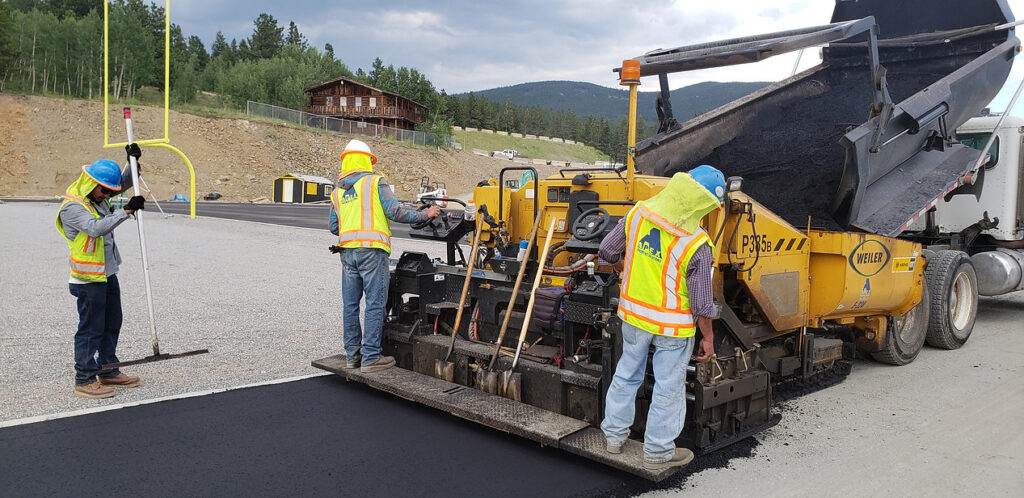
[
  {"x": 444, "y": 369},
  {"x": 511, "y": 382},
  {"x": 157, "y": 356},
  {"x": 487, "y": 380}
]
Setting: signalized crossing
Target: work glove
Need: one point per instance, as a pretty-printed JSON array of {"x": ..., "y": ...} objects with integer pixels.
[
  {"x": 133, "y": 150},
  {"x": 335, "y": 249},
  {"x": 135, "y": 203}
]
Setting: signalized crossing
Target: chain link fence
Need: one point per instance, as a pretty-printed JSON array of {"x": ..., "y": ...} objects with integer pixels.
[{"x": 348, "y": 126}]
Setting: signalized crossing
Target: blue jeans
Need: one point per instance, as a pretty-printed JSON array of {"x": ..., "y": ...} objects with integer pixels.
[
  {"x": 99, "y": 325},
  {"x": 668, "y": 404},
  {"x": 364, "y": 271}
]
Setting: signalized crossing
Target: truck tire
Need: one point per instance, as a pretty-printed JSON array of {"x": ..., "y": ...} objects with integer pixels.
[
  {"x": 905, "y": 335},
  {"x": 953, "y": 284}
]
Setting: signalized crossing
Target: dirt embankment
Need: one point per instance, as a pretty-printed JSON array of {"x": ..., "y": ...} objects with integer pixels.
[{"x": 44, "y": 141}]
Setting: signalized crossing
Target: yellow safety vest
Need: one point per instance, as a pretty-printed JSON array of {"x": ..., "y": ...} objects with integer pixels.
[
  {"x": 361, "y": 218},
  {"x": 87, "y": 255},
  {"x": 653, "y": 294}
]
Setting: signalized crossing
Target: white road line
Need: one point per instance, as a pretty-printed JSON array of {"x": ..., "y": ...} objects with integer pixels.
[{"x": 87, "y": 411}]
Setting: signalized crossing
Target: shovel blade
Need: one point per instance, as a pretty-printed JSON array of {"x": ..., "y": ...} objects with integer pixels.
[
  {"x": 444, "y": 370},
  {"x": 511, "y": 385},
  {"x": 487, "y": 381}
]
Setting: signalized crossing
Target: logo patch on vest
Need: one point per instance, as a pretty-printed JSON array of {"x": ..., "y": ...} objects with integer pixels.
[
  {"x": 349, "y": 196},
  {"x": 650, "y": 244}
]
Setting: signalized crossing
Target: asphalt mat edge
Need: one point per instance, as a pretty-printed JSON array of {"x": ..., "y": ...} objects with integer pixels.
[{"x": 303, "y": 437}]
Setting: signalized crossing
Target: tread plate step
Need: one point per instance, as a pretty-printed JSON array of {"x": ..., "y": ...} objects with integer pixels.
[{"x": 545, "y": 427}]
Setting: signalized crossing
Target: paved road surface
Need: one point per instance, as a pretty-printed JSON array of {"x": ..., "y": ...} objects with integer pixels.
[{"x": 296, "y": 215}]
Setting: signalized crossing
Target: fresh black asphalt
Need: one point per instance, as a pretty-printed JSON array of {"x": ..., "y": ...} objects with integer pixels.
[{"x": 319, "y": 436}]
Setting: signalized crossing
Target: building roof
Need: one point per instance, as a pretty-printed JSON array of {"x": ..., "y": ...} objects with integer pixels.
[
  {"x": 351, "y": 81},
  {"x": 308, "y": 178}
]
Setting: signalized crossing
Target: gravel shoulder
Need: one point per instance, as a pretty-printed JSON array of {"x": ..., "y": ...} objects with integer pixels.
[{"x": 266, "y": 300}]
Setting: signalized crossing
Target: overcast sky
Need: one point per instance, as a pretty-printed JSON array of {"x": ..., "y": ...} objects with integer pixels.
[{"x": 464, "y": 45}]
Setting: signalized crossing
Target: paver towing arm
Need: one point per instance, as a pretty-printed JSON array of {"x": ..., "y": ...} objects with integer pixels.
[{"x": 778, "y": 326}]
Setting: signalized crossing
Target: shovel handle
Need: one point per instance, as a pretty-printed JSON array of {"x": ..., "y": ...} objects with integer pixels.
[
  {"x": 515, "y": 288},
  {"x": 465, "y": 287},
  {"x": 533, "y": 291}
]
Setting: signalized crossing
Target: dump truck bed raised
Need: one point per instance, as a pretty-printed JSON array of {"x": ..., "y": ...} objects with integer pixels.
[{"x": 806, "y": 146}]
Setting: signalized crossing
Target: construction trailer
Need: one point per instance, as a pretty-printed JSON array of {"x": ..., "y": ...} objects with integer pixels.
[
  {"x": 815, "y": 266},
  {"x": 296, "y": 188}
]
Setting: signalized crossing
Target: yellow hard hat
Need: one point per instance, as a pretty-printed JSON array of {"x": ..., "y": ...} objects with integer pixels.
[{"x": 361, "y": 147}]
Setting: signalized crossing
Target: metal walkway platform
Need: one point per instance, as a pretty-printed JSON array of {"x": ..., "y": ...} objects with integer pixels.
[{"x": 545, "y": 427}]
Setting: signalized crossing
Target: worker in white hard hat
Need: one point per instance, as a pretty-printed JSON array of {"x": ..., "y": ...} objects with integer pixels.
[
  {"x": 664, "y": 297},
  {"x": 362, "y": 205}
]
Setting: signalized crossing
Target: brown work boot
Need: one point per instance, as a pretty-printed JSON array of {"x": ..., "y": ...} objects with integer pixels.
[
  {"x": 382, "y": 363},
  {"x": 681, "y": 457},
  {"x": 93, "y": 391},
  {"x": 121, "y": 380}
]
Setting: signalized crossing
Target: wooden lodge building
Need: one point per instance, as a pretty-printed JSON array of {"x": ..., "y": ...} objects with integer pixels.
[{"x": 345, "y": 98}]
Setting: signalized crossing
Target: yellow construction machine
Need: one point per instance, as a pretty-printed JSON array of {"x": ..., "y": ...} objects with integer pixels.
[{"x": 522, "y": 335}]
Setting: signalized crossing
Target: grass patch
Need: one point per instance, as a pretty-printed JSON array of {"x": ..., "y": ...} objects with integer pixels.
[{"x": 530, "y": 148}]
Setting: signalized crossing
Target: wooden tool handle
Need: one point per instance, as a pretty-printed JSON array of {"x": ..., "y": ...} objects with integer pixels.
[
  {"x": 515, "y": 288},
  {"x": 533, "y": 292}
]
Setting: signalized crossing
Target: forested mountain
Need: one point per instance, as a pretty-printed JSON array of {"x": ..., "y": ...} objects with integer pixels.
[{"x": 587, "y": 99}]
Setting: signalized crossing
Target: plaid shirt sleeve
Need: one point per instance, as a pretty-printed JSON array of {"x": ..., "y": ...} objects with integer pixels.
[{"x": 698, "y": 283}]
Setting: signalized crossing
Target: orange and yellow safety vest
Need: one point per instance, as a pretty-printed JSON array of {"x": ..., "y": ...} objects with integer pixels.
[
  {"x": 86, "y": 253},
  {"x": 653, "y": 294},
  {"x": 361, "y": 218}
]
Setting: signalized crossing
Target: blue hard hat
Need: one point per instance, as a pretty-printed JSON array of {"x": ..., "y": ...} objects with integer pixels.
[
  {"x": 106, "y": 173},
  {"x": 711, "y": 179}
]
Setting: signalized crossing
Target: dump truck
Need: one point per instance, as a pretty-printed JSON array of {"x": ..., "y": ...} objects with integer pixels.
[{"x": 815, "y": 256}]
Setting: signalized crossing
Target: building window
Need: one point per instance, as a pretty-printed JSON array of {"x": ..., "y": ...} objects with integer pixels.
[
  {"x": 330, "y": 101},
  {"x": 373, "y": 102},
  {"x": 359, "y": 101}
]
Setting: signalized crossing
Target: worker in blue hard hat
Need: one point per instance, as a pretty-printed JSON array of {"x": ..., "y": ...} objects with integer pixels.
[
  {"x": 664, "y": 297},
  {"x": 87, "y": 221},
  {"x": 362, "y": 207}
]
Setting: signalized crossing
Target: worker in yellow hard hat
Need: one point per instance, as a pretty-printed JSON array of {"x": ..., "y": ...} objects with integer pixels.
[
  {"x": 362, "y": 204},
  {"x": 664, "y": 297}
]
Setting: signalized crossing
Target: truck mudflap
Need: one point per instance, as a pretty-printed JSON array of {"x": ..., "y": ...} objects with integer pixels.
[{"x": 537, "y": 424}]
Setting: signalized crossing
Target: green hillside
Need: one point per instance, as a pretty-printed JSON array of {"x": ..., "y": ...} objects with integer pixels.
[{"x": 530, "y": 148}]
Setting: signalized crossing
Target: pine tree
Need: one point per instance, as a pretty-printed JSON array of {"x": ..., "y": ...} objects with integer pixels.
[
  {"x": 196, "y": 48},
  {"x": 295, "y": 38},
  {"x": 220, "y": 45},
  {"x": 266, "y": 39},
  {"x": 8, "y": 51}
]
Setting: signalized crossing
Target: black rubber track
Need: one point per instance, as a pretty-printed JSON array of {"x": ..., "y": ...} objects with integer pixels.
[{"x": 319, "y": 436}]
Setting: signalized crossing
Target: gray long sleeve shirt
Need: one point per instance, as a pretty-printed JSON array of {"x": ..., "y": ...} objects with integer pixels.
[
  {"x": 698, "y": 271},
  {"x": 77, "y": 219},
  {"x": 394, "y": 209}
]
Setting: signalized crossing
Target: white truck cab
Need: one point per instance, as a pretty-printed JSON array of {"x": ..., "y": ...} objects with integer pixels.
[
  {"x": 506, "y": 153},
  {"x": 1001, "y": 193},
  {"x": 994, "y": 219}
]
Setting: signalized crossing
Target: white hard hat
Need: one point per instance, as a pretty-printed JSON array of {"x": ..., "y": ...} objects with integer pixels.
[{"x": 359, "y": 146}]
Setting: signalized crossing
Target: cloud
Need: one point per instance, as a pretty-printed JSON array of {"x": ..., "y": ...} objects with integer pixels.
[{"x": 464, "y": 45}]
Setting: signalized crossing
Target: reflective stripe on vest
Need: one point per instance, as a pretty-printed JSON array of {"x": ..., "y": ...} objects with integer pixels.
[
  {"x": 361, "y": 218},
  {"x": 87, "y": 263},
  {"x": 653, "y": 293}
]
